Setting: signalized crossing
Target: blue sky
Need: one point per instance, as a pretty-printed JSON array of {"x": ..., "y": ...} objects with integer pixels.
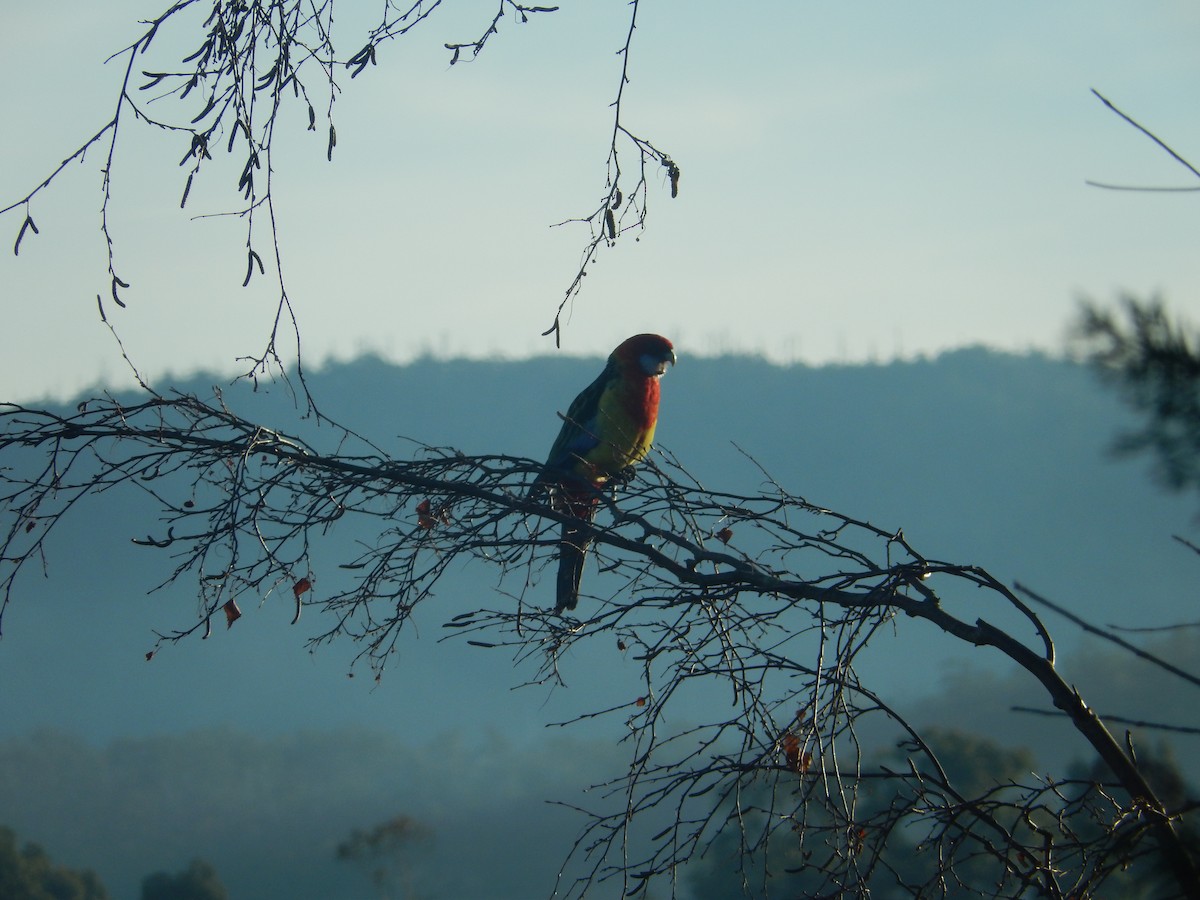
[{"x": 860, "y": 181}]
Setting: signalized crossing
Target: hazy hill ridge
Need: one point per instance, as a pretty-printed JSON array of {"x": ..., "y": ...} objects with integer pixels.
[{"x": 982, "y": 458}]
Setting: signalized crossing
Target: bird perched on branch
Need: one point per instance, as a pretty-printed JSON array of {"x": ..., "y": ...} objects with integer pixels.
[{"x": 607, "y": 429}]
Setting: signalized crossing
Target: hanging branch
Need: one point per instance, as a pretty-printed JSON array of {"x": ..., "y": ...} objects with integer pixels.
[
  {"x": 619, "y": 211},
  {"x": 249, "y": 63}
]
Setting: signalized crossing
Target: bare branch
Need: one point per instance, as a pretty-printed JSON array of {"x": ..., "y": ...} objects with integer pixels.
[
  {"x": 1157, "y": 140},
  {"x": 1110, "y": 637},
  {"x": 476, "y": 46},
  {"x": 619, "y": 211},
  {"x": 1118, "y": 720},
  {"x": 252, "y": 61},
  {"x": 760, "y": 602}
]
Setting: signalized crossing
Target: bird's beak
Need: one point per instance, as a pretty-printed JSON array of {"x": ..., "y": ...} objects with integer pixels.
[{"x": 660, "y": 366}]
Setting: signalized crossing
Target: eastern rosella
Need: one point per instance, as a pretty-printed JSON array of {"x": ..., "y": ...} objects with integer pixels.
[{"x": 608, "y": 428}]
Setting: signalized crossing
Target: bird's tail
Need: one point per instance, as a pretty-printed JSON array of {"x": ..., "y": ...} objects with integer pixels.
[
  {"x": 572, "y": 553},
  {"x": 573, "y": 544}
]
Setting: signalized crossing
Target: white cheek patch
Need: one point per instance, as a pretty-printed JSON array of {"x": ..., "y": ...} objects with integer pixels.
[{"x": 653, "y": 365}]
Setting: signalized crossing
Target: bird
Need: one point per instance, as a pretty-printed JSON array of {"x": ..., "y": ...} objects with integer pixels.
[{"x": 607, "y": 430}]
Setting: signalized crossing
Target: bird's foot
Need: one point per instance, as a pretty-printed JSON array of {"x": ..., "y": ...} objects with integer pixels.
[{"x": 623, "y": 477}]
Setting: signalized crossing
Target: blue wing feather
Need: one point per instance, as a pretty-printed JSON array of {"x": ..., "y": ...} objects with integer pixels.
[{"x": 578, "y": 434}]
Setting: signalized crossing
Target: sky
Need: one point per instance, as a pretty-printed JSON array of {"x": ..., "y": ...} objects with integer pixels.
[{"x": 859, "y": 182}]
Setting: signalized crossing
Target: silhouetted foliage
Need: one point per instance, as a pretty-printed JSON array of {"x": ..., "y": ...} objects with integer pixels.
[
  {"x": 28, "y": 873},
  {"x": 388, "y": 851},
  {"x": 1143, "y": 874},
  {"x": 782, "y": 867},
  {"x": 1154, "y": 363},
  {"x": 198, "y": 881}
]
